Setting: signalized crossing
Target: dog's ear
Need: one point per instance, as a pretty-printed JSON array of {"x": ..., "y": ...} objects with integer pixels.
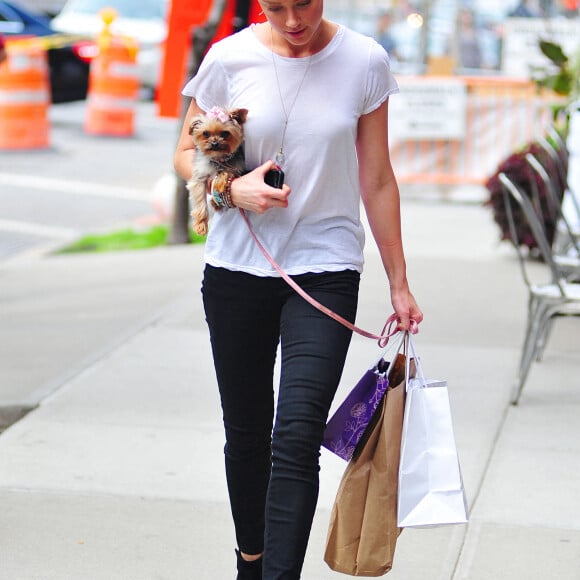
[
  {"x": 239, "y": 115},
  {"x": 194, "y": 123}
]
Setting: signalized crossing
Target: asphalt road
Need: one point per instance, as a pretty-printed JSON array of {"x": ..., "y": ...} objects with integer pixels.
[{"x": 83, "y": 183}]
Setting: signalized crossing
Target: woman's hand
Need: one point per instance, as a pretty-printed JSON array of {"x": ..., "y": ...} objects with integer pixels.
[
  {"x": 406, "y": 309},
  {"x": 251, "y": 192}
]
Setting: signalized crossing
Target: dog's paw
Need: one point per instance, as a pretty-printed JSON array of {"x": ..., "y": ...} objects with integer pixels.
[
  {"x": 200, "y": 217},
  {"x": 200, "y": 228}
]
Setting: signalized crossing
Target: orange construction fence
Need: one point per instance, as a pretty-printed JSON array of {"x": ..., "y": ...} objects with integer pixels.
[
  {"x": 500, "y": 116},
  {"x": 24, "y": 98}
]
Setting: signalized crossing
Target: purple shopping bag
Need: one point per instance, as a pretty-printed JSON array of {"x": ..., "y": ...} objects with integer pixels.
[{"x": 346, "y": 427}]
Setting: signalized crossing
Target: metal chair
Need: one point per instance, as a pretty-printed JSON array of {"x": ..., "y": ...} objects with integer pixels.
[
  {"x": 559, "y": 156},
  {"x": 546, "y": 301},
  {"x": 566, "y": 256},
  {"x": 558, "y": 152}
]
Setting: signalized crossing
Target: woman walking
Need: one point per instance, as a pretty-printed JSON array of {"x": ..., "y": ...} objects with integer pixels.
[{"x": 317, "y": 99}]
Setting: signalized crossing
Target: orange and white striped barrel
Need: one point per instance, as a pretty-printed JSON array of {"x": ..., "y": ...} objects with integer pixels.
[
  {"x": 24, "y": 98},
  {"x": 113, "y": 89}
]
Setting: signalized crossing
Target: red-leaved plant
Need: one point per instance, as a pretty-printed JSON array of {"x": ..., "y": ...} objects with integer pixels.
[{"x": 519, "y": 171}]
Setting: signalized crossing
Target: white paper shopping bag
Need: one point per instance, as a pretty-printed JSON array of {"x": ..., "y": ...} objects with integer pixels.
[{"x": 431, "y": 491}]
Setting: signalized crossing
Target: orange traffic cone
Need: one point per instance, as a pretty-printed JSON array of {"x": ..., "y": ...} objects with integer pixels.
[
  {"x": 24, "y": 97},
  {"x": 113, "y": 85}
]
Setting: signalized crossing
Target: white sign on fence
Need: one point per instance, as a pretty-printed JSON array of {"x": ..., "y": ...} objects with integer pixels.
[{"x": 428, "y": 109}]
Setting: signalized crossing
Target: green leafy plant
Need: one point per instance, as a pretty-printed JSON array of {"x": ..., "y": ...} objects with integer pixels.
[{"x": 561, "y": 74}]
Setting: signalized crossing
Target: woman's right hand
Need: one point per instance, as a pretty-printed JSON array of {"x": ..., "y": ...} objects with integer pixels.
[{"x": 251, "y": 192}]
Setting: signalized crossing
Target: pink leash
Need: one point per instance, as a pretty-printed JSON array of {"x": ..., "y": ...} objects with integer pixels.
[{"x": 387, "y": 331}]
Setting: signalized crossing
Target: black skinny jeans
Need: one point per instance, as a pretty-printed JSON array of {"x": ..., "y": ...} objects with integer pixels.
[{"x": 272, "y": 472}]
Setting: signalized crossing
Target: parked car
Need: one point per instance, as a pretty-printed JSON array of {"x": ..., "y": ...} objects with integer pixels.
[
  {"x": 142, "y": 20},
  {"x": 69, "y": 62}
]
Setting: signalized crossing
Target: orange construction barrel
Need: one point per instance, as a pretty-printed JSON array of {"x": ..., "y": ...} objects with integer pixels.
[
  {"x": 24, "y": 97},
  {"x": 113, "y": 91},
  {"x": 113, "y": 85}
]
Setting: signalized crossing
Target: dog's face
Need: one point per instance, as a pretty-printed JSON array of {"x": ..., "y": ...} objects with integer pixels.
[{"x": 218, "y": 133}]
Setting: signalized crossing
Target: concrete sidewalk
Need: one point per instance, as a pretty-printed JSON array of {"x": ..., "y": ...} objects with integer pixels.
[{"x": 117, "y": 474}]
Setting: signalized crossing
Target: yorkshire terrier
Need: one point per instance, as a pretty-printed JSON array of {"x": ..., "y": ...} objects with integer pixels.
[{"x": 218, "y": 137}]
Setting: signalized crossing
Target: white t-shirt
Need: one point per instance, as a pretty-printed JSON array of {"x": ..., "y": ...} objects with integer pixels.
[{"x": 320, "y": 230}]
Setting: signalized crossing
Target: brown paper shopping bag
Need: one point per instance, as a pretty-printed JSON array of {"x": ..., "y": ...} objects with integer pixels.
[{"x": 363, "y": 528}]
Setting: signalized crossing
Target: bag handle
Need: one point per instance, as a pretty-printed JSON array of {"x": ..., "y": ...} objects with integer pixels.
[
  {"x": 387, "y": 331},
  {"x": 395, "y": 346},
  {"x": 418, "y": 368}
]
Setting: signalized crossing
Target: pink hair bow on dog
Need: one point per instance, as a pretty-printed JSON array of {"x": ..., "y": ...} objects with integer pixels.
[{"x": 218, "y": 114}]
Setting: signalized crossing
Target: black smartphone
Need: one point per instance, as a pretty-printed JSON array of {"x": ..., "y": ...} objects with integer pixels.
[{"x": 275, "y": 178}]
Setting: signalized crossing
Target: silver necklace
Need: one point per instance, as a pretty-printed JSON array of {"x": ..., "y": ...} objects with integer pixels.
[{"x": 280, "y": 154}]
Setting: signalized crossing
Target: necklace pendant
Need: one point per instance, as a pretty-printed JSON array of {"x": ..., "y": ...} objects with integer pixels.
[{"x": 280, "y": 158}]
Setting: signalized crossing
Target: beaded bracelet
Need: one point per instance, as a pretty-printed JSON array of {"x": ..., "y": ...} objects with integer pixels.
[
  {"x": 228, "y": 192},
  {"x": 223, "y": 199}
]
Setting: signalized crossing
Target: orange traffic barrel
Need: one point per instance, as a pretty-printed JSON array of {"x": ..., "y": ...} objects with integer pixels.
[
  {"x": 24, "y": 97},
  {"x": 113, "y": 89}
]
